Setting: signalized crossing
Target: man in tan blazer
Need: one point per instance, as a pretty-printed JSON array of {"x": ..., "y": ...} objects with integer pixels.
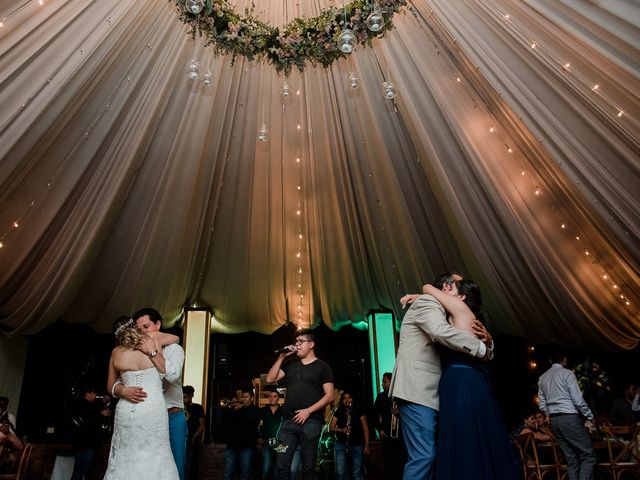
[{"x": 414, "y": 383}]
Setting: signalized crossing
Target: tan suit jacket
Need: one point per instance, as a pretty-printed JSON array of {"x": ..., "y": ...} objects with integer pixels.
[{"x": 417, "y": 370}]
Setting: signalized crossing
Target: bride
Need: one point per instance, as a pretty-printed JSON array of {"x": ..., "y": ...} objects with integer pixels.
[{"x": 140, "y": 443}]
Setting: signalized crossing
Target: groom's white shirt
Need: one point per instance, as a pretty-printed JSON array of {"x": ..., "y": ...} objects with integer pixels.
[{"x": 172, "y": 380}]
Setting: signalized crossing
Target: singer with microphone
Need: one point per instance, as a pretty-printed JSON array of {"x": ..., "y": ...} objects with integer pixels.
[{"x": 309, "y": 382}]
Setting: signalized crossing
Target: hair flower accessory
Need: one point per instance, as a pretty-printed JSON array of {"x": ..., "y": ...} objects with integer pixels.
[{"x": 122, "y": 327}]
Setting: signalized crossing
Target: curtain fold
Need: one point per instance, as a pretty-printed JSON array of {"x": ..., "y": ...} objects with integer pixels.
[{"x": 124, "y": 184}]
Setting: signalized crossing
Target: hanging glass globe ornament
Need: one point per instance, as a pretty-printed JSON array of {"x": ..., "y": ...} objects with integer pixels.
[
  {"x": 193, "y": 70},
  {"x": 375, "y": 21},
  {"x": 353, "y": 81},
  {"x": 194, "y": 6},
  {"x": 346, "y": 41},
  {"x": 389, "y": 90},
  {"x": 285, "y": 91},
  {"x": 207, "y": 79},
  {"x": 263, "y": 133}
]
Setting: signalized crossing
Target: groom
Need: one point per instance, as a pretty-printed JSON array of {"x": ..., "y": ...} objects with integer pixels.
[{"x": 414, "y": 383}]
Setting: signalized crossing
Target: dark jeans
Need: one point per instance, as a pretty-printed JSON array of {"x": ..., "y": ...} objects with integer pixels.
[
  {"x": 394, "y": 457},
  {"x": 575, "y": 443},
  {"x": 82, "y": 461},
  {"x": 234, "y": 456},
  {"x": 291, "y": 436},
  {"x": 348, "y": 461}
]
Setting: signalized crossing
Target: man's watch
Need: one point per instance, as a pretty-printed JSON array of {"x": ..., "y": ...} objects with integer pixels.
[{"x": 153, "y": 353}]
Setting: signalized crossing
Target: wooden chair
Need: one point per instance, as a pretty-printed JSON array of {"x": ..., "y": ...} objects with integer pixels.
[
  {"x": 539, "y": 461},
  {"x": 622, "y": 448},
  {"x": 21, "y": 472}
]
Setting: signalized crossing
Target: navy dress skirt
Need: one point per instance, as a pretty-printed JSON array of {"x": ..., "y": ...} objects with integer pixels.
[{"x": 472, "y": 440}]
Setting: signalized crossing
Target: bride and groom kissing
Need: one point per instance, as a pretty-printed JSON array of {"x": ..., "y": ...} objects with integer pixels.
[{"x": 145, "y": 373}]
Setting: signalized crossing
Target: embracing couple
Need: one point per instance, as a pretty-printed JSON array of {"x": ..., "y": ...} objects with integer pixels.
[
  {"x": 150, "y": 429},
  {"x": 450, "y": 383}
]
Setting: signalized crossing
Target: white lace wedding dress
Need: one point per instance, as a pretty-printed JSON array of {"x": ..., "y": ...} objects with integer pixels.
[{"x": 140, "y": 446}]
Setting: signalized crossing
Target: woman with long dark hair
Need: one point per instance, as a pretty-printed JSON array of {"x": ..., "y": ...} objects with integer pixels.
[{"x": 472, "y": 439}]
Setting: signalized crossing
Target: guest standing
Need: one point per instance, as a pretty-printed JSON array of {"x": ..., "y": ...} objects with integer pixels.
[
  {"x": 382, "y": 417},
  {"x": 242, "y": 437},
  {"x": 309, "y": 383},
  {"x": 349, "y": 423},
  {"x": 561, "y": 399}
]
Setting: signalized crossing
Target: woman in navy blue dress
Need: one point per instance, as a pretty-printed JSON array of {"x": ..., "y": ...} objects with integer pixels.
[{"x": 472, "y": 439}]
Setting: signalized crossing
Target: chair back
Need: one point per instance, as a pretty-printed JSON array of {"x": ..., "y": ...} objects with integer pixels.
[
  {"x": 622, "y": 447},
  {"x": 539, "y": 460}
]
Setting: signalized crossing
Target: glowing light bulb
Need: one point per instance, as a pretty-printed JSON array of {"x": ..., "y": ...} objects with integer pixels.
[
  {"x": 299, "y": 270},
  {"x": 299, "y": 187},
  {"x": 534, "y": 45},
  {"x": 1, "y": 244},
  {"x": 605, "y": 276},
  {"x": 300, "y": 236},
  {"x": 595, "y": 87},
  {"x": 491, "y": 130},
  {"x": 507, "y": 16},
  {"x": 298, "y": 255},
  {"x": 298, "y": 212},
  {"x": 627, "y": 302},
  {"x": 586, "y": 252},
  {"x": 15, "y": 225},
  {"x": 298, "y": 126},
  {"x": 566, "y": 66},
  {"x": 620, "y": 113},
  {"x": 458, "y": 79},
  {"x": 523, "y": 173},
  {"x": 577, "y": 238},
  {"x": 298, "y": 160},
  {"x": 563, "y": 226},
  {"x": 615, "y": 287},
  {"x": 537, "y": 191},
  {"x": 40, "y": 2},
  {"x": 510, "y": 150}
]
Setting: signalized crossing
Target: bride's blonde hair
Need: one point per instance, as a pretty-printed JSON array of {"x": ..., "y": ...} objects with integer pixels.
[{"x": 126, "y": 333}]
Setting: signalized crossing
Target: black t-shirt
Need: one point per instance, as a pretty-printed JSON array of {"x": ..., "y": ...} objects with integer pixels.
[
  {"x": 381, "y": 414},
  {"x": 243, "y": 427},
  {"x": 304, "y": 386},
  {"x": 356, "y": 437},
  {"x": 194, "y": 413},
  {"x": 270, "y": 421}
]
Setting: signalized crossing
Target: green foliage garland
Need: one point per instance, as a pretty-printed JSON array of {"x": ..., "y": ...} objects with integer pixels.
[{"x": 313, "y": 40}]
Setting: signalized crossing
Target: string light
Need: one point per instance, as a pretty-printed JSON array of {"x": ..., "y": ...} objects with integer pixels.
[{"x": 590, "y": 86}]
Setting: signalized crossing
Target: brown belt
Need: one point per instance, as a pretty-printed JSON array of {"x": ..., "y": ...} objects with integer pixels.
[{"x": 174, "y": 410}]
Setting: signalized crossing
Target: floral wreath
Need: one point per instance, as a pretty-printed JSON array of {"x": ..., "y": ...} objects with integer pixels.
[{"x": 318, "y": 40}]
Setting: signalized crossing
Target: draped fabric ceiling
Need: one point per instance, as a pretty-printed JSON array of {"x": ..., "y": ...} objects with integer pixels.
[{"x": 132, "y": 185}]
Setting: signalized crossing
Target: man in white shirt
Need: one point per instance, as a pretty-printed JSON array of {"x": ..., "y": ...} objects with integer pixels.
[
  {"x": 149, "y": 320},
  {"x": 561, "y": 399}
]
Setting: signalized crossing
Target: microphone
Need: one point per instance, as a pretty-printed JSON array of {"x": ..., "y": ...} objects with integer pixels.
[{"x": 283, "y": 350}]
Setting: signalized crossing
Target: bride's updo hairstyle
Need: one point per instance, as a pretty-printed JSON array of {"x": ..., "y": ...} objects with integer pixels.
[
  {"x": 473, "y": 298},
  {"x": 126, "y": 333}
]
